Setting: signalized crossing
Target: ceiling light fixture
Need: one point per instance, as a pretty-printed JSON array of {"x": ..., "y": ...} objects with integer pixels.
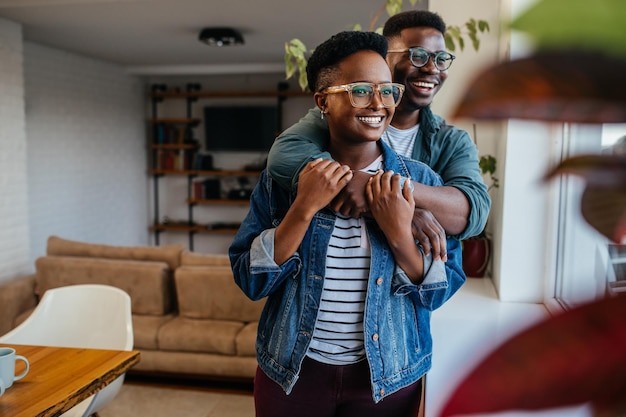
[{"x": 221, "y": 36}]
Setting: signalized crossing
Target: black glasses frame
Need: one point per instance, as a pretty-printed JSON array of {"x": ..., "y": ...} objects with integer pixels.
[{"x": 440, "y": 56}]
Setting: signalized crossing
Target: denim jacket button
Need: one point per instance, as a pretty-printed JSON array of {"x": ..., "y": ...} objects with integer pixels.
[
  {"x": 379, "y": 281},
  {"x": 382, "y": 392},
  {"x": 375, "y": 337}
]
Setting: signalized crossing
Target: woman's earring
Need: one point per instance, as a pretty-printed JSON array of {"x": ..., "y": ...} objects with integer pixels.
[{"x": 322, "y": 114}]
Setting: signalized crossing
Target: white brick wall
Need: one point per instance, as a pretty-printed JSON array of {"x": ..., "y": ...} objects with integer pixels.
[
  {"x": 14, "y": 244},
  {"x": 85, "y": 123}
]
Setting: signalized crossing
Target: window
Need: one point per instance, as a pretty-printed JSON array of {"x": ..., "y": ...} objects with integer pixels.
[{"x": 588, "y": 265}]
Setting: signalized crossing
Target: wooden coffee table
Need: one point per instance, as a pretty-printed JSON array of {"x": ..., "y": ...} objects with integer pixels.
[{"x": 59, "y": 378}]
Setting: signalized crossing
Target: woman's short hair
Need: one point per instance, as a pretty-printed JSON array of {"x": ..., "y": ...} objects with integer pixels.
[{"x": 322, "y": 66}]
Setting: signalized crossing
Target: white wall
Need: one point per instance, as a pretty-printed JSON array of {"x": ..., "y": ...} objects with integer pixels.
[
  {"x": 85, "y": 122},
  {"x": 14, "y": 225},
  {"x": 468, "y": 64},
  {"x": 72, "y": 152}
]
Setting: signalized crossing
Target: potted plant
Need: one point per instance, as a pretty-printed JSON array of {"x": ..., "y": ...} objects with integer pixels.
[{"x": 477, "y": 249}]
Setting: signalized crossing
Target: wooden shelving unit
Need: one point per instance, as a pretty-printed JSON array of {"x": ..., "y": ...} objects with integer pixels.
[{"x": 182, "y": 145}]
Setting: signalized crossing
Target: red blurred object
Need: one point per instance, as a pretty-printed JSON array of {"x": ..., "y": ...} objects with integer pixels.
[
  {"x": 572, "y": 86},
  {"x": 573, "y": 358}
]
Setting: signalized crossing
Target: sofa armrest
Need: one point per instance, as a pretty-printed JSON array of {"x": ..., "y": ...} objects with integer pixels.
[{"x": 16, "y": 297}]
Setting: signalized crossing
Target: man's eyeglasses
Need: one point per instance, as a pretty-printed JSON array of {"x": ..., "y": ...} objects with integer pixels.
[
  {"x": 362, "y": 94},
  {"x": 419, "y": 57}
]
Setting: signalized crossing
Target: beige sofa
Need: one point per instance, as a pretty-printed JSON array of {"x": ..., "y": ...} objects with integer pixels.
[{"x": 189, "y": 317}]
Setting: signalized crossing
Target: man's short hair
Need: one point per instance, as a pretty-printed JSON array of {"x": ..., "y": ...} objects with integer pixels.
[
  {"x": 323, "y": 64},
  {"x": 410, "y": 19}
]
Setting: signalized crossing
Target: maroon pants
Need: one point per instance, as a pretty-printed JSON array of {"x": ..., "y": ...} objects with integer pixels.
[{"x": 332, "y": 391}]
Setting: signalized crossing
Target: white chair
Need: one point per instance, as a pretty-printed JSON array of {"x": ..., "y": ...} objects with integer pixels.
[{"x": 86, "y": 316}]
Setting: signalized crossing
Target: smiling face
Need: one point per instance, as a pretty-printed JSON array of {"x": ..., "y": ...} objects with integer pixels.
[
  {"x": 421, "y": 83},
  {"x": 349, "y": 125}
]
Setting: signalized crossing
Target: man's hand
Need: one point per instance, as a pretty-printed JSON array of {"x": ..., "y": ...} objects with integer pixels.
[
  {"x": 431, "y": 235},
  {"x": 351, "y": 200}
]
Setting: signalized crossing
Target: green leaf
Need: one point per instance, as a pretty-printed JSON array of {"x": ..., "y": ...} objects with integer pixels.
[
  {"x": 487, "y": 164},
  {"x": 470, "y": 25},
  {"x": 453, "y": 31},
  {"x": 393, "y": 7},
  {"x": 296, "y": 48},
  {"x": 297, "y": 44},
  {"x": 600, "y": 25},
  {"x": 475, "y": 41},
  {"x": 303, "y": 81},
  {"x": 290, "y": 68},
  {"x": 449, "y": 42},
  {"x": 483, "y": 26}
]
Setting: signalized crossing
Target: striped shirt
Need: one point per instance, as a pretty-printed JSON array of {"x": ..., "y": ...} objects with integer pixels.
[
  {"x": 401, "y": 140},
  {"x": 338, "y": 334}
]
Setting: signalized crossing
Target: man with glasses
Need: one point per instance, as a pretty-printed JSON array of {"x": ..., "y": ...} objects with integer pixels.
[{"x": 418, "y": 60}]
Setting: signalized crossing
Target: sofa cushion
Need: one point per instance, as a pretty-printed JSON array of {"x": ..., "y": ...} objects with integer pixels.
[
  {"x": 149, "y": 284},
  {"x": 191, "y": 335},
  {"x": 188, "y": 258},
  {"x": 211, "y": 293},
  {"x": 146, "y": 330},
  {"x": 245, "y": 343},
  {"x": 63, "y": 247},
  {"x": 195, "y": 364}
]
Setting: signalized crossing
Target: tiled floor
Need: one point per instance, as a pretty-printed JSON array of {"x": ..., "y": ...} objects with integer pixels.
[{"x": 140, "y": 399}]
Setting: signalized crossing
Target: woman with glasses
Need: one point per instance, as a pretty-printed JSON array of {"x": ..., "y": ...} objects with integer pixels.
[
  {"x": 418, "y": 60},
  {"x": 346, "y": 326}
]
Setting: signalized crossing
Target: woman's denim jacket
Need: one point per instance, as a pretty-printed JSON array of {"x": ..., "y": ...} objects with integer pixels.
[{"x": 398, "y": 342}]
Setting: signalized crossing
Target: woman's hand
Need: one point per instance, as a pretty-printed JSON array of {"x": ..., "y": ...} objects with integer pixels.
[
  {"x": 391, "y": 204},
  {"x": 319, "y": 182}
]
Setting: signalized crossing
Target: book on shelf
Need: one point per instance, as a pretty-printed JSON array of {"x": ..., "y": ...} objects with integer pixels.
[
  {"x": 197, "y": 190},
  {"x": 203, "y": 189},
  {"x": 203, "y": 162},
  {"x": 175, "y": 159},
  {"x": 170, "y": 134}
]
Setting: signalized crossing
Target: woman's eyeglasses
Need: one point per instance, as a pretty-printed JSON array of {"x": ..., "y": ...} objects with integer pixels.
[
  {"x": 419, "y": 57},
  {"x": 362, "y": 94}
]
